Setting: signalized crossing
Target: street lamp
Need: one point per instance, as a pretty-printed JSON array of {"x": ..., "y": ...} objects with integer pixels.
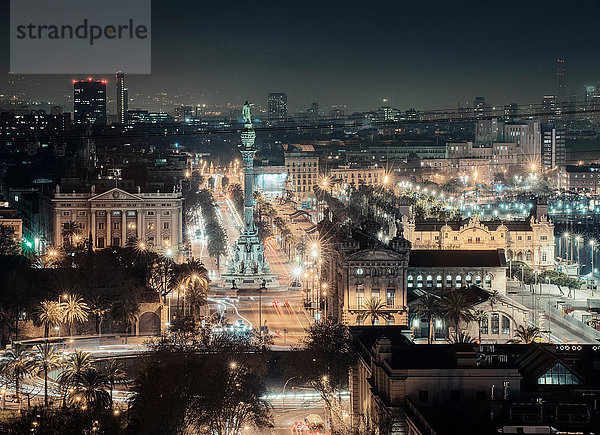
[
  {"x": 578, "y": 240},
  {"x": 260, "y": 290}
]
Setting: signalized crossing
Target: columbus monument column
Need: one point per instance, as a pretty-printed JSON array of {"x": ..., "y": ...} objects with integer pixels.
[{"x": 248, "y": 267}]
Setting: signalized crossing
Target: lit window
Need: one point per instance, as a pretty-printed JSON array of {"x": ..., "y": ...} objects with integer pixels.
[{"x": 558, "y": 375}]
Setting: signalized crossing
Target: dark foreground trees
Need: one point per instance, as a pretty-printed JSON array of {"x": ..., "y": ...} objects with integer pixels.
[
  {"x": 209, "y": 386},
  {"x": 324, "y": 365}
]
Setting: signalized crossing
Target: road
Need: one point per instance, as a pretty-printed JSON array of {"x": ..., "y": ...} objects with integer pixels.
[
  {"x": 539, "y": 302},
  {"x": 281, "y": 310}
]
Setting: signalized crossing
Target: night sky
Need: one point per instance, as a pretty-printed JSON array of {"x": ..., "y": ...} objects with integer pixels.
[{"x": 428, "y": 55}]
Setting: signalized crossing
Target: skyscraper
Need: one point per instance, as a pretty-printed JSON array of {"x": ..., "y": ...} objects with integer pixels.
[
  {"x": 122, "y": 99},
  {"x": 277, "y": 106},
  {"x": 561, "y": 83},
  {"x": 550, "y": 109},
  {"x": 89, "y": 102},
  {"x": 554, "y": 150}
]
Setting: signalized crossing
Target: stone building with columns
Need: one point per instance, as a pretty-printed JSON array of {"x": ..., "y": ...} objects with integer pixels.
[
  {"x": 530, "y": 240},
  {"x": 114, "y": 217}
]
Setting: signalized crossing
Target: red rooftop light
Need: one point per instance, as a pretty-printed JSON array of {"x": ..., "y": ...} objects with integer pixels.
[{"x": 89, "y": 79}]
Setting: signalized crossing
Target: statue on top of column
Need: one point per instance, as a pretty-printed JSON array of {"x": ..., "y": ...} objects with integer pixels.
[{"x": 246, "y": 112}]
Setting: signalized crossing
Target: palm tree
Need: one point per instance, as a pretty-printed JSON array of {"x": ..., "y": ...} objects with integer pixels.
[
  {"x": 75, "y": 310},
  {"x": 494, "y": 298},
  {"x": 461, "y": 338},
  {"x": 373, "y": 308},
  {"x": 479, "y": 316},
  {"x": 71, "y": 230},
  {"x": 92, "y": 385},
  {"x": 74, "y": 366},
  {"x": 196, "y": 297},
  {"x": 50, "y": 314},
  {"x": 455, "y": 308},
  {"x": 126, "y": 311},
  {"x": 16, "y": 365},
  {"x": 46, "y": 358},
  {"x": 114, "y": 375},
  {"x": 528, "y": 335},
  {"x": 99, "y": 306},
  {"x": 429, "y": 307}
]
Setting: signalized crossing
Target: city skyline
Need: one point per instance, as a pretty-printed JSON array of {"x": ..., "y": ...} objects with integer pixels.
[{"x": 355, "y": 56}]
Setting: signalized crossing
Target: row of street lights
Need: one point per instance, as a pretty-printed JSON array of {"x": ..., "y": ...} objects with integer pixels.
[{"x": 579, "y": 240}]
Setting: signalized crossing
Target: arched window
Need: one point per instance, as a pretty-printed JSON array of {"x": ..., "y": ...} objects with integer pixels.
[
  {"x": 448, "y": 280},
  {"x": 409, "y": 281},
  {"x": 359, "y": 271},
  {"x": 519, "y": 256},
  {"x": 458, "y": 281},
  {"x": 483, "y": 324},
  {"x": 429, "y": 281},
  {"x": 528, "y": 256},
  {"x": 488, "y": 281},
  {"x": 438, "y": 281},
  {"x": 419, "y": 281},
  {"x": 478, "y": 280},
  {"x": 374, "y": 272},
  {"x": 505, "y": 325},
  {"x": 468, "y": 279}
]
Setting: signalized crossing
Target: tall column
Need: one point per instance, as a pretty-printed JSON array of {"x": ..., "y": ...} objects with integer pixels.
[
  {"x": 248, "y": 157},
  {"x": 93, "y": 228},
  {"x": 123, "y": 227},
  {"x": 108, "y": 228},
  {"x": 57, "y": 239},
  {"x": 139, "y": 229}
]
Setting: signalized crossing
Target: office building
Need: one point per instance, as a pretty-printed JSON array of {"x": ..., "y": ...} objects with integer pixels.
[
  {"x": 277, "y": 106},
  {"x": 122, "y": 99},
  {"x": 561, "y": 82},
  {"x": 554, "y": 149},
  {"x": 355, "y": 177},
  {"x": 551, "y": 109},
  {"x": 89, "y": 102},
  {"x": 480, "y": 109},
  {"x": 313, "y": 112},
  {"x": 302, "y": 176}
]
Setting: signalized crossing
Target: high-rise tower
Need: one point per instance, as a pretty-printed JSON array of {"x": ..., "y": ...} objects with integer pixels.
[
  {"x": 561, "y": 80},
  {"x": 277, "y": 106},
  {"x": 122, "y": 99},
  {"x": 89, "y": 102}
]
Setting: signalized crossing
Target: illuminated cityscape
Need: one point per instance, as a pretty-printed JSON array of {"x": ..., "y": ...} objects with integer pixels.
[{"x": 332, "y": 219}]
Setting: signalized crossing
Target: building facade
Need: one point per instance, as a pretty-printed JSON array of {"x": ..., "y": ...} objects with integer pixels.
[
  {"x": 114, "y": 217},
  {"x": 11, "y": 224},
  {"x": 277, "y": 106},
  {"x": 530, "y": 241},
  {"x": 89, "y": 102},
  {"x": 302, "y": 175},
  {"x": 585, "y": 178},
  {"x": 373, "y": 176},
  {"x": 372, "y": 271}
]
